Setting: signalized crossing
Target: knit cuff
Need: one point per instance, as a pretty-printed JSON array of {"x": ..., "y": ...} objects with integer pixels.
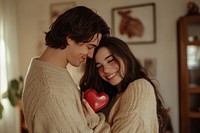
[{"x": 93, "y": 121}]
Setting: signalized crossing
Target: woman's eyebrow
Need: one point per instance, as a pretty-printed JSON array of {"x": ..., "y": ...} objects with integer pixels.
[{"x": 108, "y": 56}]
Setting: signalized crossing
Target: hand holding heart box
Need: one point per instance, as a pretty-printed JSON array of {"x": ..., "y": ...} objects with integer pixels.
[{"x": 96, "y": 101}]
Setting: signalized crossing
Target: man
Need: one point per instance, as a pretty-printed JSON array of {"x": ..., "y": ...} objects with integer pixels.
[{"x": 51, "y": 99}]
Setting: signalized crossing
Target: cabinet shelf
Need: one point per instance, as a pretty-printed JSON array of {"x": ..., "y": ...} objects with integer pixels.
[
  {"x": 194, "y": 43},
  {"x": 194, "y": 90},
  {"x": 194, "y": 115}
]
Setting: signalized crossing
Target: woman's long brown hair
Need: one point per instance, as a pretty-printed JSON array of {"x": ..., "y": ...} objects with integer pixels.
[{"x": 133, "y": 71}]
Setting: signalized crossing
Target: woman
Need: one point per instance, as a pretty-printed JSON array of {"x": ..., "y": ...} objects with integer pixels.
[{"x": 135, "y": 104}]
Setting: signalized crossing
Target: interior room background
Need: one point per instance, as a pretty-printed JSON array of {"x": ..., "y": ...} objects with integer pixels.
[{"x": 27, "y": 19}]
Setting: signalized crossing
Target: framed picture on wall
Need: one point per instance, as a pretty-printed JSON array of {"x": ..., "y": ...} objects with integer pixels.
[
  {"x": 135, "y": 24},
  {"x": 58, "y": 8},
  {"x": 150, "y": 66}
]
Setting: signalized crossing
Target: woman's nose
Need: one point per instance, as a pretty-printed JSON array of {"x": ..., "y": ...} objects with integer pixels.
[{"x": 107, "y": 69}]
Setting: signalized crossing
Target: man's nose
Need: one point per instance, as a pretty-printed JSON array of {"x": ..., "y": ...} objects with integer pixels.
[{"x": 90, "y": 53}]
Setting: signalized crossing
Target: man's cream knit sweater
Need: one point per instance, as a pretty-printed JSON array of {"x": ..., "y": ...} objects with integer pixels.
[{"x": 52, "y": 103}]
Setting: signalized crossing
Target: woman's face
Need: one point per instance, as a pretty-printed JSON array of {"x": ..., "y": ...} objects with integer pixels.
[{"x": 108, "y": 67}]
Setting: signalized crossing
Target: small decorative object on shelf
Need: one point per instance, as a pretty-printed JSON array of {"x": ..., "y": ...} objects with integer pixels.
[
  {"x": 192, "y": 38},
  {"x": 193, "y": 8}
]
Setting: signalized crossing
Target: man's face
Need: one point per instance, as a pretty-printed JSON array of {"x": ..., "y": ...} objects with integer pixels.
[{"x": 78, "y": 52}]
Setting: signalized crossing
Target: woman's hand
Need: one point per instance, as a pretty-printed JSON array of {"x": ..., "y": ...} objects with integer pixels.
[{"x": 92, "y": 118}]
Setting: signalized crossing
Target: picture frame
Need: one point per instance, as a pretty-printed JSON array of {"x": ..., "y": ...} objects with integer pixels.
[
  {"x": 135, "y": 24},
  {"x": 58, "y": 8}
]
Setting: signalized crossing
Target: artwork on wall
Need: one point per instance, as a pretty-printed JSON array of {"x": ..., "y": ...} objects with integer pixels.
[
  {"x": 58, "y": 8},
  {"x": 43, "y": 26},
  {"x": 135, "y": 24},
  {"x": 150, "y": 66}
]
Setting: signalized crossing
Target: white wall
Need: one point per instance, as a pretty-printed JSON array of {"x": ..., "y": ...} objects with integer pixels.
[{"x": 34, "y": 15}]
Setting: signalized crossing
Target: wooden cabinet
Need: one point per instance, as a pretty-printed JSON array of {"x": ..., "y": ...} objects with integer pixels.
[{"x": 189, "y": 73}]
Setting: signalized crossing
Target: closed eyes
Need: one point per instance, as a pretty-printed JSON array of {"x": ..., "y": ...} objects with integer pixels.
[
  {"x": 90, "y": 46},
  {"x": 109, "y": 59}
]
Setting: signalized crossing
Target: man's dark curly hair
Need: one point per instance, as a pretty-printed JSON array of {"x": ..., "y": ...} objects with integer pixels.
[{"x": 79, "y": 23}]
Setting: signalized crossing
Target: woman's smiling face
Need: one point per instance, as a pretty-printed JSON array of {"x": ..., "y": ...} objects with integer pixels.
[{"x": 108, "y": 67}]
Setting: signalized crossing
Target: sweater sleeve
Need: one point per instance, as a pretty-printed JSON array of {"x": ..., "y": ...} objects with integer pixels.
[
  {"x": 135, "y": 110},
  {"x": 58, "y": 114},
  {"x": 98, "y": 123},
  {"x": 102, "y": 126}
]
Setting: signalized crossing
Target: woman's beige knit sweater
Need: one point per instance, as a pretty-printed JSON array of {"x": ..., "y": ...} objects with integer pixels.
[
  {"x": 52, "y": 103},
  {"x": 135, "y": 110}
]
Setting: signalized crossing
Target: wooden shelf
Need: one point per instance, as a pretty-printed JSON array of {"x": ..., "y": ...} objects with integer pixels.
[
  {"x": 194, "y": 43},
  {"x": 194, "y": 115},
  {"x": 194, "y": 90}
]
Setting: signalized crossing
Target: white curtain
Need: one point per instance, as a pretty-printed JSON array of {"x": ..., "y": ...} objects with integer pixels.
[{"x": 10, "y": 123}]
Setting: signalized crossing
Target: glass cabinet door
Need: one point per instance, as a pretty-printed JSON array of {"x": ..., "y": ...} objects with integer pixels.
[
  {"x": 193, "y": 63},
  {"x": 193, "y": 52},
  {"x": 193, "y": 31}
]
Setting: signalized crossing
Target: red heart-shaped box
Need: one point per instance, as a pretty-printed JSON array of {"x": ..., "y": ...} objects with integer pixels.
[{"x": 96, "y": 101}]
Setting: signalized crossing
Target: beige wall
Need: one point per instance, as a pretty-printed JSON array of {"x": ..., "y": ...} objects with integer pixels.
[{"x": 34, "y": 15}]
